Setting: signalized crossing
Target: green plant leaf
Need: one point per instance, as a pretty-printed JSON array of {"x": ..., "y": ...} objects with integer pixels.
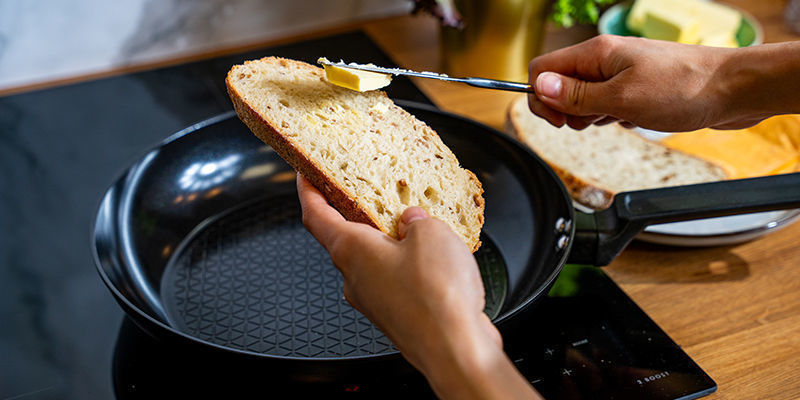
[{"x": 568, "y": 12}]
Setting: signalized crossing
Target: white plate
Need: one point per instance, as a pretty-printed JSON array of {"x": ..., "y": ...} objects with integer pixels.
[
  {"x": 718, "y": 231},
  {"x": 714, "y": 231}
]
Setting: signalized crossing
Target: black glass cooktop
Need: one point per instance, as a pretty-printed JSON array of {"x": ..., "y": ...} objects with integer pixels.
[
  {"x": 588, "y": 340},
  {"x": 64, "y": 337}
]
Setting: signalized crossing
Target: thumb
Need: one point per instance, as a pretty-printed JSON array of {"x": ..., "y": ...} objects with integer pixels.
[
  {"x": 410, "y": 215},
  {"x": 569, "y": 95}
]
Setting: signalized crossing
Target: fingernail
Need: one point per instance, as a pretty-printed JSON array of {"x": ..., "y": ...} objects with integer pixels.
[
  {"x": 413, "y": 214},
  {"x": 548, "y": 84}
]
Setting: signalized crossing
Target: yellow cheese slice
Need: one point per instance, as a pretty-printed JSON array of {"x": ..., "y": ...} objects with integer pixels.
[
  {"x": 742, "y": 153},
  {"x": 781, "y": 130},
  {"x": 354, "y": 79}
]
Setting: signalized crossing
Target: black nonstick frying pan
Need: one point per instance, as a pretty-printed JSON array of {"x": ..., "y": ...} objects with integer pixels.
[{"x": 201, "y": 243}]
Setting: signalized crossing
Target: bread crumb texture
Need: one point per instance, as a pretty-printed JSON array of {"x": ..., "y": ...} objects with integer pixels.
[
  {"x": 601, "y": 161},
  {"x": 370, "y": 157}
]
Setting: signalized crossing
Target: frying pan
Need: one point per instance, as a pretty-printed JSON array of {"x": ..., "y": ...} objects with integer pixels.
[{"x": 202, "y": 245}]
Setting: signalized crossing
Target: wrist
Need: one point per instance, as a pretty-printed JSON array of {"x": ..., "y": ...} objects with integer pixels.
[
  {"x": 462, "y": 351},
  {"x": 760, "y": 81},
  {"x": 472, "y": 364},
  {"x": 463, "y": 365}
]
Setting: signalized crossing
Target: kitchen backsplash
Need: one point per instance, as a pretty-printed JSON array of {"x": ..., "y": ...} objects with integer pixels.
[{"x": 42, "y": 40}]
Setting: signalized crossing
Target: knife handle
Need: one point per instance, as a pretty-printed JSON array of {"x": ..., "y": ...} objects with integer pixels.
[{"x": 499, "y": 85}]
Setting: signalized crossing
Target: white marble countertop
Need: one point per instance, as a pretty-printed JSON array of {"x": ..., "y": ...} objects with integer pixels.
[{"x": 46, "y": 40}]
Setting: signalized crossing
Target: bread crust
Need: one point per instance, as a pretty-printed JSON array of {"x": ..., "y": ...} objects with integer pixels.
[
  {"x": 480, "y": 202},
  {"x": 587, "y": 192},
  {"x": 590, "y": 194},
  {"x": 338, "y": 196}
]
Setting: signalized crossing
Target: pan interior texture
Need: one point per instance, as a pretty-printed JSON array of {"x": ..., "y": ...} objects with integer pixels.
[{"x": 254, "y": 279}]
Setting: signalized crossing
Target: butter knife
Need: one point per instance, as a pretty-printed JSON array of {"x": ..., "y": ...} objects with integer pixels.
[{"x": 476, "y": 82}]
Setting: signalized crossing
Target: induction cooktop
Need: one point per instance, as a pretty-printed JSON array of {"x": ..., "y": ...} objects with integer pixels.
[
  {"x": 63, "y": 336},
  {"x": 587, "y": 340}
]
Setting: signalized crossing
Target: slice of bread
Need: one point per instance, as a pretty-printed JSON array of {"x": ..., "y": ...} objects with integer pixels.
[
  {"x": 369, "y": 157},
  {"x": 601, "y": 161}
]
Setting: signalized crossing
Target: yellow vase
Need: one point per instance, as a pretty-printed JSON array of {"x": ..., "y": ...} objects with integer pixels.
[{"x": 498, "y": 40}]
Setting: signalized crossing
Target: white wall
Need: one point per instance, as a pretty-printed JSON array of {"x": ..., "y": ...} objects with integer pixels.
[{"x": 41, "y": 40}]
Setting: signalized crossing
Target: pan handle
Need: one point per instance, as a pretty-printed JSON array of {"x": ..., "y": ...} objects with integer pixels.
[{"x": 602, "y": 235}]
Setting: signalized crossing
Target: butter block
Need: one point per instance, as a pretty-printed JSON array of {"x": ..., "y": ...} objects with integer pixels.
[
  {"x": 715, "y": 24},
  {"x": 671, "y": 24},
  {"x": 716, "y": 19},
  {"x": 354, "y": 79},
  {"x": 719, "y": 40},
  {"x": 635, "y": 20},
  {"x": 641, "y": 8}
]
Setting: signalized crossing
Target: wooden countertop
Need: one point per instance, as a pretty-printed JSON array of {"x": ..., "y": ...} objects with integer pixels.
[{"x": 734, "y": 309}]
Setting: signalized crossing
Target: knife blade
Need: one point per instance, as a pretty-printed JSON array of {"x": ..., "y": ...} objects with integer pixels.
[{"x": 472, "y": 81}]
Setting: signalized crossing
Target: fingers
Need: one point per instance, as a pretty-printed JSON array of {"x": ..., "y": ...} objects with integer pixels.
[
  {"x": 322, "y": 220},
  {"x": 606, "y": 120},
  {"x": 419, "y": 232},
  {"x": 346, "y": 242},
  {"x": 415, "y": 224},
  {"x": 569, "y": 81},
  {"x": 570, "y": 95},
  {"x": 559, "y": 119},
  {"x": 555, "y": 118},
  {"x": 590, "y": 60},
  {"x": 410, "y": 215},
  {"x": 580, "y": 123}
]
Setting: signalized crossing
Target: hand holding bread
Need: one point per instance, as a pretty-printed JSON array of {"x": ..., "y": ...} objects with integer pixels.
[{"x": 425, "y": 293}]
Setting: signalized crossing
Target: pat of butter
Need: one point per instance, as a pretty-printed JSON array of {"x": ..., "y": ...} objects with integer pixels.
[
  {"x": 354, "y": 79},
  {"x": 671, "y": 24}
]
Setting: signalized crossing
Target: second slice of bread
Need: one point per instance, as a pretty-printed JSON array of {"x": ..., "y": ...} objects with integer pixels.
[
  {"x": 369, "y": 157},
  {"x": 601, "y": 161}
]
